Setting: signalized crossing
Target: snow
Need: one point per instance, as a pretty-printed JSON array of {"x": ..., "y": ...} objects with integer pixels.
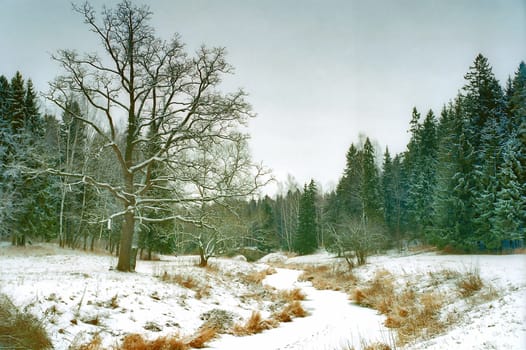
[{"x": 68, "y": 289}]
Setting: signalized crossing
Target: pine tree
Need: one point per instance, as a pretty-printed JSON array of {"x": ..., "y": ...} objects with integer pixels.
[{"x": 306, "y": 236}]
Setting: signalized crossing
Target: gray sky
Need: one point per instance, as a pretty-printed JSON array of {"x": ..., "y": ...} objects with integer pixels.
[{"x": 318, "y": 73}]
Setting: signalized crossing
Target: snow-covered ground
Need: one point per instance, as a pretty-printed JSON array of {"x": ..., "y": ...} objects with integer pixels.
[{"x": 78, "y": 294}]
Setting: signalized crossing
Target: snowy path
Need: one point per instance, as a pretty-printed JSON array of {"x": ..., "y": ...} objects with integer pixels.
[{"x": 333, "y": 322}]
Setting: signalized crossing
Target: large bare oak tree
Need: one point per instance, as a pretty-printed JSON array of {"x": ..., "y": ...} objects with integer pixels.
[{"x": 159, "y": 110}]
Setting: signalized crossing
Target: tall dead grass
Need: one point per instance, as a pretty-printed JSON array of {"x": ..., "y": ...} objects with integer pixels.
[
  {"x": 410, "y": 313},
  {"x": 21, "y": 330},
  {"x": 470, "y": 283},
  {"x": 137, "y": 342},
  {"x": 290, "y": 311},
  {"x": 202, "y": 290},
  {"x": 257, "y": 277},
  {"x": 336, "y": 277},
  {"x": 292, "y": 295},
  {"x": 254, "y": 324}
]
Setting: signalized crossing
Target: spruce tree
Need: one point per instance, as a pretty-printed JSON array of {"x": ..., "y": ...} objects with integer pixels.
[
  {"x": 509, "y": 214},
  {"x": 388, "y": 192},
  {"x": 370, "y": 188},
  {"x": 306, "y": 236},
  {"x": 348, "y": 192},
  {"x": 17, "y": 103}
]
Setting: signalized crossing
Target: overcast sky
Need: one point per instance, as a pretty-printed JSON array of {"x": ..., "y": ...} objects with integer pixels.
[{"x": 318, "y": 73}]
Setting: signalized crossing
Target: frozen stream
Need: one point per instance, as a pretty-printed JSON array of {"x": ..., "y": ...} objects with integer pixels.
[{"x": 333, "y": 322}]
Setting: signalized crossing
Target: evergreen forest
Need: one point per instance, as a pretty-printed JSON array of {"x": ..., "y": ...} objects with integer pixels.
[{"x": 459, "y": 185}]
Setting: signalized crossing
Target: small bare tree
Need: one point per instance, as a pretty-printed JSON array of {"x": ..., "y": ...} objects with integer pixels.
[
  {"x": 221, "y": 170},
  {"x": 169, "y": 109},
  {"x": 356, "y": 239}
]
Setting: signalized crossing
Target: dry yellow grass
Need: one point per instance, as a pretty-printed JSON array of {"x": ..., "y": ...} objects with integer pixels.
[
  {"x": 202, "y": 337},
  {"x": 410, "y": 313},
  {"x": 258, "y": 276},
  {"x": 185, "y": 281},
  {"x": 137, "y": 342},
  {"x": 378, "y": 294},
  {"x": 336, "y": 277},
  {"x": 21, "y": 330},
  {"x": 470, "y": 283},
  {"x": 292, "y": 295},
  {"x": 94, "y": 344},
  {"x": 291, "y": 310},
  {"x": 255, "y": 324}
]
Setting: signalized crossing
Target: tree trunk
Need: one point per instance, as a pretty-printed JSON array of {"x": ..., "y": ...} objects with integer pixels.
[
  {"x": 126, "y": 242},
  {"x": 61, "y": 239},
  {"x": 203, "y": 261}
]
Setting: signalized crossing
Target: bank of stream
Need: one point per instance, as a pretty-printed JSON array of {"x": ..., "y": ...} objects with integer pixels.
[{"x": 333, "y": 322}]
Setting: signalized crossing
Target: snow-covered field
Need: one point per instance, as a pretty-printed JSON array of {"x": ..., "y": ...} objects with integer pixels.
[{"x": 78, "y": 295}]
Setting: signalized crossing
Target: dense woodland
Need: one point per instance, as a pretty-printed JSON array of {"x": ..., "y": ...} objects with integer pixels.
[{"x": 460, "y": 184}]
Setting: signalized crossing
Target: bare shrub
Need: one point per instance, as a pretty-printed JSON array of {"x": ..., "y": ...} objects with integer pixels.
[{"x": 21, "y": 330}]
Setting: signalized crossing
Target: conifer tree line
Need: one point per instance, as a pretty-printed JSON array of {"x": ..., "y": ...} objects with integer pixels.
[{"x": 460, "y": 183}]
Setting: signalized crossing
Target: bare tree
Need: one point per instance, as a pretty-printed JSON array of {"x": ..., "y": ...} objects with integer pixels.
[
  {"x": 356, "y": 239},
  {"x": 220, "y": 170},
  {"x": 169, "y": 108},
  {"x": 287, "y": 203}
]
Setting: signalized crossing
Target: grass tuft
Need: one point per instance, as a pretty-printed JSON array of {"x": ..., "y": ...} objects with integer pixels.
[
  {"x": 470, "y": 283},
  {"x": 292, "y": 295},
  {"x": 202, "y": 337},
  {"x": 378, "y": 294},
  {"x": 258, "y": 276},
  {"x": 21, "y": 330},
  {"x": 137, "y": 342},
  {"x": 291, "y": 310},
  {"x": 410, "y": 313},
  {"x": 336, "y": 277},
  {"x": 255, "y": 324}
]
